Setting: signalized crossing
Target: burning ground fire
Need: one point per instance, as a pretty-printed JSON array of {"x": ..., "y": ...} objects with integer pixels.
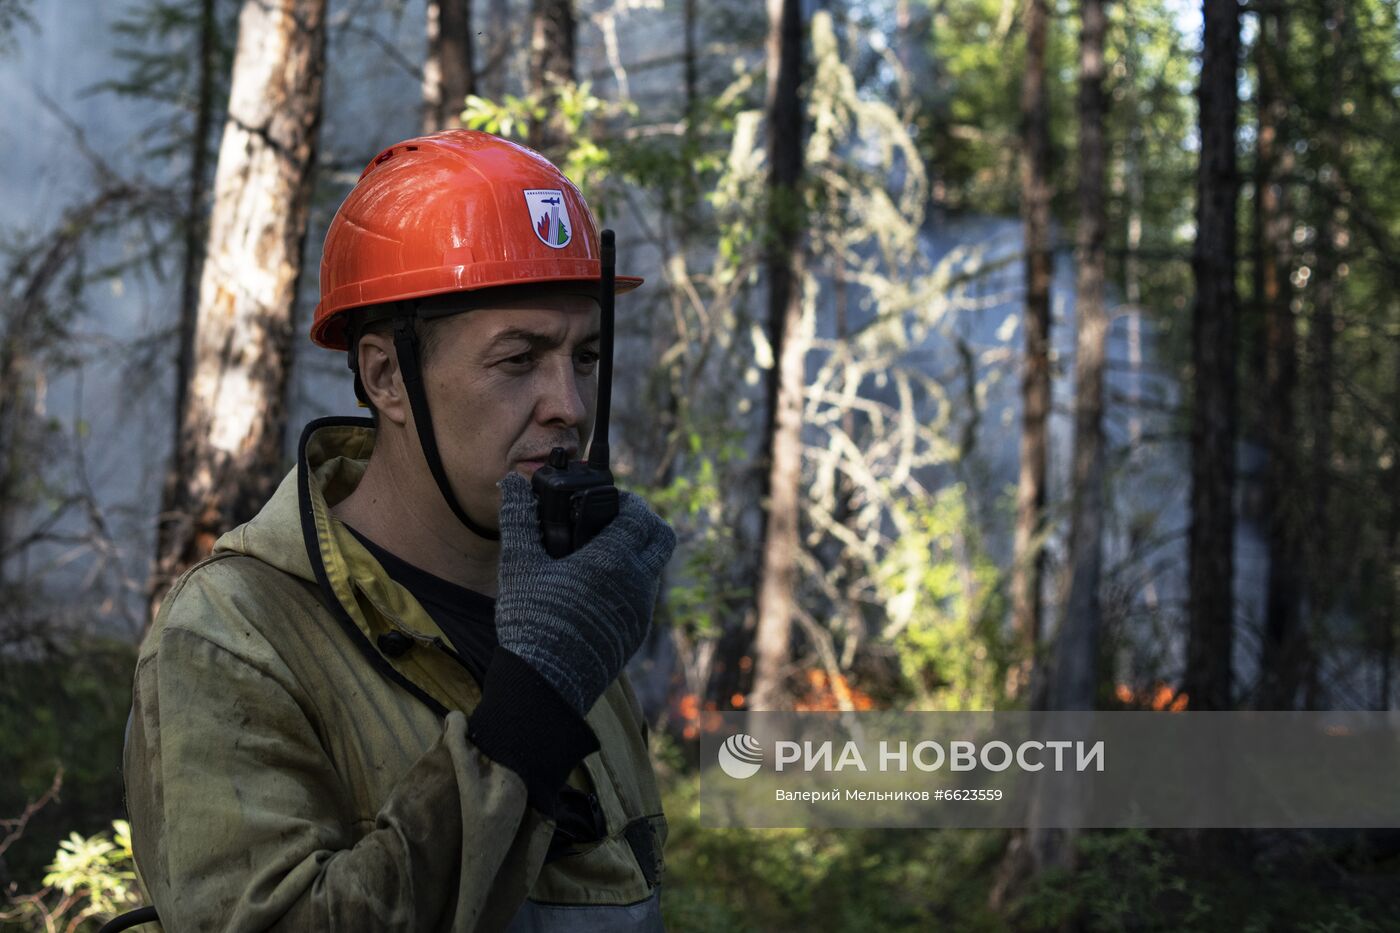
[
  {"x": 1159, "y": 697},
  {"x": 822, "y": 694}
]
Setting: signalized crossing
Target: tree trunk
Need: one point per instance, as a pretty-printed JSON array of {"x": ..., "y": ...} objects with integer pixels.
[
  {"x": 783, "y": 429},
  {"x": 552, "y": 30},
  {"x": 1029, "y": 558},
  {"x": 1321, "y": 330},
  {"x": 500, "y": 41},
  {"x": 229, "y": 456},
  {"x": 1282, "y": 646},
  {"x": 448, "y": 75},
  {"x": 1071, "y": 682},
  {"x": 1208, "y": 655},
  {"x": 1134, "y": 151},
  {"x": 192, "y": 262},
  {"x": 1389, "y": 615},
  {"x": 1077, "y": 644},
  {"x": 195, "y": 231},
  {"x": 690, "y": 53}
]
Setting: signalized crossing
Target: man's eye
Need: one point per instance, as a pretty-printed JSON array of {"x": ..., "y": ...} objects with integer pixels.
[
  {"x": 520, "y": 359},
  {"x": 586, "y": 358}
]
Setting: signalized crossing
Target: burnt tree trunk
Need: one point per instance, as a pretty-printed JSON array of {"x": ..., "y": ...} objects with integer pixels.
[
  {"x": 229, "y": 458},
  {"x": 786, "y": 380},
  {"x": 448, "y": 75},
  {"x": 1213, "y": 348},
  {"x": 1028, "y": 554}
]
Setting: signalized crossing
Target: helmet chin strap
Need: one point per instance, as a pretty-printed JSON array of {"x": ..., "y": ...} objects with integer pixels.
[{"x": 411, "y": 367}]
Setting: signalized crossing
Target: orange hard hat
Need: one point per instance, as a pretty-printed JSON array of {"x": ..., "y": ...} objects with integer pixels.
[{"x": 455, "y": 211}]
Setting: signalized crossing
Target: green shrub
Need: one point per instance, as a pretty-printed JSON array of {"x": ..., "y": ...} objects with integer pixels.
[{"x": 89, "y": 881}]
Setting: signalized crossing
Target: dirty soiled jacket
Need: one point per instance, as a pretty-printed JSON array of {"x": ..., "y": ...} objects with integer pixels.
[{"x": 298, "y": 755}]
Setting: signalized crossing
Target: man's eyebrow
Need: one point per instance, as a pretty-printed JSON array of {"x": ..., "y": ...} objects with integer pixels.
[{"x": 536, "y": 339}]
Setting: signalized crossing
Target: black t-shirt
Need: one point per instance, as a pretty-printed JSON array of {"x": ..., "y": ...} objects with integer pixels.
[{"x": 467, "y": 617}]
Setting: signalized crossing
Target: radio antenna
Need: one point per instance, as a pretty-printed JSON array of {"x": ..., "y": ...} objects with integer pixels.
[{"x": 598, "y": 450}]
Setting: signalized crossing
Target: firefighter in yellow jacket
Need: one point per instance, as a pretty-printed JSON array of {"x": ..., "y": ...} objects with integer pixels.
[{"x": 380, "y": 704}]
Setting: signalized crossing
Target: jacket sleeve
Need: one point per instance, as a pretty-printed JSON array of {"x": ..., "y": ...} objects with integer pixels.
[{"x": 238, "y": 815}]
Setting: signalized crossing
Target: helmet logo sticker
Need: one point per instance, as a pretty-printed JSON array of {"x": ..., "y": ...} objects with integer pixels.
[{"x": 549, "y": 216}]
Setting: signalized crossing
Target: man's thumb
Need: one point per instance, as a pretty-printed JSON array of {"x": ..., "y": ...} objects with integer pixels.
[{"x": 517, "y": 505}]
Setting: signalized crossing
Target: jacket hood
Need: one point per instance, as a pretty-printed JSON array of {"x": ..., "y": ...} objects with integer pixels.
[{"x": 332, "y": 454}]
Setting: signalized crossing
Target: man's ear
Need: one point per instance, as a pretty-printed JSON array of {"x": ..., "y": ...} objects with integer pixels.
[{"x": 379, "y": 374}]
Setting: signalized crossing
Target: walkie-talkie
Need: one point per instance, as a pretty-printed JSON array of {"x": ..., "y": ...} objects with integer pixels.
[{"x": 577, "y": 498}]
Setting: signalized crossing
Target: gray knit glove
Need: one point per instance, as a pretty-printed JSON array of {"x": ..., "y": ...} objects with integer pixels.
[{"x": 578, "y": 619}]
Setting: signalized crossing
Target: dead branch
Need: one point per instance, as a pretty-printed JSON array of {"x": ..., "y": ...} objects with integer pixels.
[{"x": 14, "y": 828}]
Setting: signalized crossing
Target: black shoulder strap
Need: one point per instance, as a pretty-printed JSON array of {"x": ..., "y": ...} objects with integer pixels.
[{"x": 641, "y": 836}]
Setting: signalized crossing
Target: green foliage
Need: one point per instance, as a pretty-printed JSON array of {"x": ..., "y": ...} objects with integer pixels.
[
  {"x": 1347, "y": 176},
  {"x": 970, "y": 119},
  {"x": 698, "y": 596},
  {"x": 100, "y": 869},
  {"x": 1126, "y": 881},
  {"x": 941, "y": 594},
  {"x": 1132, "y": 880},
  {"x": 90, "y": 880},
  {"x": 888, "y": 879},
  {"x": 851, "y": 880},
  {"x": 61, "y": 705},
  {"x": 581, "y": 115},
  {"x": 857, "y": 147}
]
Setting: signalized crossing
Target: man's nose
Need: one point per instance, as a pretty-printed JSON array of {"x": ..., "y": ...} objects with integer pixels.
[{"x": 561, "y": 400}]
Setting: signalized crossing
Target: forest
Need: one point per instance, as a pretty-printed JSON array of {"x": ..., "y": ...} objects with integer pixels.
[{"x": 993, "y": 355}]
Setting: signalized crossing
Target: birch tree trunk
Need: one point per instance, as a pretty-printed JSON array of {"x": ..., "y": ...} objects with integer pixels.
[
  {"x": 1028, "y": 555},
  {"x": 1213, "y": 348},
  {"x": 783, "y": 429},
  {"x": 229, "y": 458},
  {"x": 1282, "y": 648},
  {"x": 1076, "y": 668},
  {"x": 448, "y": 75}
]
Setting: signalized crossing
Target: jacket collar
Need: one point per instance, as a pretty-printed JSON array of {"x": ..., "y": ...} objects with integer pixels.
[{"x": 297, "y": 533}]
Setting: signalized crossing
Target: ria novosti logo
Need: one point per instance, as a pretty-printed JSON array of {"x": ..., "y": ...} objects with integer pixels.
[{"x": 740, "y": 756}]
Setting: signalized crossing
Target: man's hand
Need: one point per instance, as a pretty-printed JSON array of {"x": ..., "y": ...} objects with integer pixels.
[{"x": 578, "y": 619}]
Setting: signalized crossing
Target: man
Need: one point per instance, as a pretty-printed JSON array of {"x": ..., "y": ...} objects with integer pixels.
[{"x": 380, "y": 705}]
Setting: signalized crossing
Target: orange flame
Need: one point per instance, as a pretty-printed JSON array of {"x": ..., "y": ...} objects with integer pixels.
[
  {"x": 1160, "y": 697},
  {"x": 698, "y": 717},
  {"x": 825, "y": 694}
]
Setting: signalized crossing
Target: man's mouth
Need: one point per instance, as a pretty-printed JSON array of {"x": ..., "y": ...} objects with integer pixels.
[{"x": 537, "y": 460}]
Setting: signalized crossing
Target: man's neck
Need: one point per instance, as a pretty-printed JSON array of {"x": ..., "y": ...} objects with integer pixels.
[{"x": 410, "y": 520}]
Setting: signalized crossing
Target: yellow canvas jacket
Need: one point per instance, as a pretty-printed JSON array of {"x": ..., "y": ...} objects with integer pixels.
[{"x": 298, "y": 756}]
